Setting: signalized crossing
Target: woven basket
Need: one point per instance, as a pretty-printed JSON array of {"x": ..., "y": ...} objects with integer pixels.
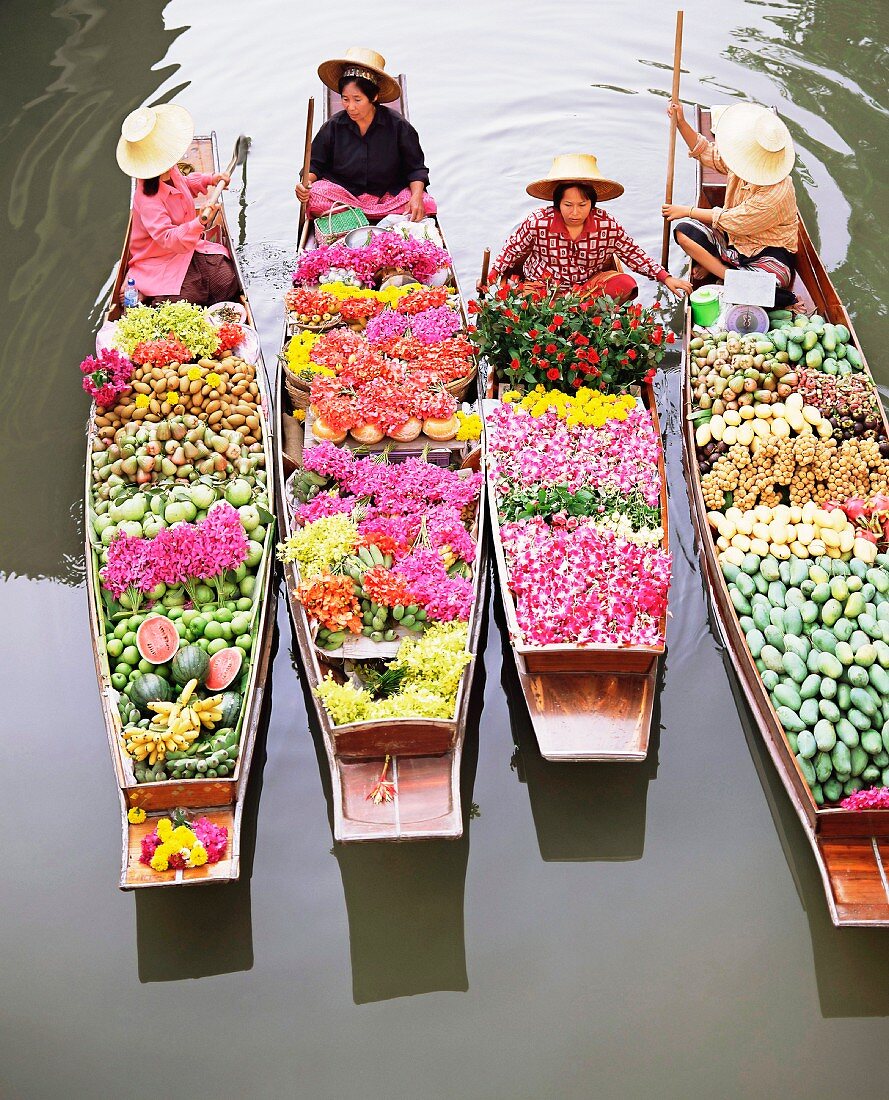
[
  {"x": 338, "y": 221},
  {"x": 460, "y": 386},
  {"x": 297, "y": 390},
  {"x": 319, "y": 326}
]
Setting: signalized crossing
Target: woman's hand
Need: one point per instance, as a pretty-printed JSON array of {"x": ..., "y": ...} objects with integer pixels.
[
  {"x": 209, "y": 214},
  {"x": 677, "y": 111},
  {"x": 415, "y": 207},
  {"x": 221, "y": 177},
  {"x": 678, "y": 286},
  {"x": 673, "y": 213},
  {"x": 302, "y": 193}
]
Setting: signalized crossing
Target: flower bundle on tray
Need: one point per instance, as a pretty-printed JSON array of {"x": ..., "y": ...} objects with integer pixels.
[
  {"x": 578, "y": 497},
  {"x": 386, "y": 252},
  {"x": 106, "y": 376},
  {"x": 177, "y": 843},
  {"x": 536, "y": 335}
]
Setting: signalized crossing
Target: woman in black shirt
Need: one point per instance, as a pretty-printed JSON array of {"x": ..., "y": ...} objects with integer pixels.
[{"x": 366, "y": 155}]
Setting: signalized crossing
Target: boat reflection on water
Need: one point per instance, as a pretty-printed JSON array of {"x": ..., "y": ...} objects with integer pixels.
[
  {"x": 171, "y": 925},
  {"x": 405, "y": 900},
  {"x": 582, "y": 812},
  {"x": 850, "y": 963}
]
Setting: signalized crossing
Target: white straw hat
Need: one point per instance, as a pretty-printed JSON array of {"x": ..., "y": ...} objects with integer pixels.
[
  {"x": 755, "y": 143},
  {"x": 153, "y": 139},
  {"x": 575, "y": 168},
  {"x": 364, "y": 63}
]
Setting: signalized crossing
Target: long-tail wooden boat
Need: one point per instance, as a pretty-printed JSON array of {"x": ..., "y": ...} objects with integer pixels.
[
  {"x": 220, "y": 799},
  {"x": 590, "y": 703},
  {"x": 424, "y": 755},
  {"x": 851, "y": 847}
]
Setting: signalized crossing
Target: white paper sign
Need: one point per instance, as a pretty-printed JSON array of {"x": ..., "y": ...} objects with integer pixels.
[{"x": 749, "y": 288}]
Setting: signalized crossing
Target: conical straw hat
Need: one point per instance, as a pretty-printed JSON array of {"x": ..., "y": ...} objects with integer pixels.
[
  {"x": 153, "y": 139},
  {"x": 361, "y": 62},
  {"x": 754, "y": 143},
  {"x": 575, "y": 168}
]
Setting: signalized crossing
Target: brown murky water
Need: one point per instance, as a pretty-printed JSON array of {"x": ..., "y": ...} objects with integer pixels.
[{"x": 607, "y": 932}]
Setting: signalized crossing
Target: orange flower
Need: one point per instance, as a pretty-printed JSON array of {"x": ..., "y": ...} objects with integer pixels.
[{"x": 331, "y": 600}]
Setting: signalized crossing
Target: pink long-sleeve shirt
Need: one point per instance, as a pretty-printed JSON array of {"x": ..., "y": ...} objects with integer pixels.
[{"x": 166, "y": 233}]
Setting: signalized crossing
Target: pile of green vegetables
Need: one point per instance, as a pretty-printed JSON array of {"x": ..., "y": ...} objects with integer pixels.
[{"x": 819, "y": 634}]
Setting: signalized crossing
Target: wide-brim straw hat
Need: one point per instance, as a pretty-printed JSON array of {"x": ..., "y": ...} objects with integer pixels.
[
  {"x": 153, "y": 139},
  {"x": 754, "y": 143},
  {"x": 575, "y": 168},
  {"x": 360, "y": 62}
]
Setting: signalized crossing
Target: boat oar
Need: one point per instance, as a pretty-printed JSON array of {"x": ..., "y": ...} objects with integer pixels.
[
  {"x": 307, "y": 159},
  {"x": 486, "y": 262},
  {"x": 384, "y": 790},
  {"x": 239, "y": 155},
  {"x": 671, "y": 157}
]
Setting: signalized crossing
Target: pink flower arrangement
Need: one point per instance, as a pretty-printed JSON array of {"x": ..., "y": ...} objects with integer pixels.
[
  {"x": 444, "y": 598},
  {"x": 544, "y": 451},
  {"x": 434, "y": 325},
  {"x": 214, "y": 839},
  {"x": 387, "y": 251},
  {"x": 385, "y": 326},
  {"x": 182, "y": 554},
  {"x": 106, "y": 377},
  {"x": 585, "y": 585},
  {"x": 874, "y": 798}
]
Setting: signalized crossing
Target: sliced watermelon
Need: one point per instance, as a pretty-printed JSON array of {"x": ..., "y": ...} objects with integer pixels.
[
  {"x": 157, "y": 639},
  {"x": 224, "y": 667}
]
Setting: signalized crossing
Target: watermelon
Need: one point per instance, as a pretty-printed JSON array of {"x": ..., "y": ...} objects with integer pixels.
[
  {"x": 157, "y": 639},
  {"x": 149, "y": 688},
  {"x": 231, "y": 708},
  {"x": 190, "y": 663},
  {"x": 224, "y": 667}
]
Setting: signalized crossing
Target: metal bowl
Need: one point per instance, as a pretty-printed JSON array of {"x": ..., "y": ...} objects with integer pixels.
[{"x": 358, "y": 238}]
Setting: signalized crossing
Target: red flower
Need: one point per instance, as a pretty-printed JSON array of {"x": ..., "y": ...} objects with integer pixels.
[
  {"x": 577, "y": 383},
  {"x": 552, "y": 374},
  {"x": 508, "y": 329},
  {"x": 550, "y": 348},
  {"x": 514, "y": 364},
  {"x": 579, "y": 338},
  {"x": 536, "y": 349},
  {"x": 657, "y": 335},
  {"x": 560, "y": 356},
  {"x": 616, "y": 326},
  {"x": 631, "y": 354},
  {"x": 592, "y": 356},
  {"x": 671, "y": 339},
  {"x": 625, "y": 362},
  {"x": 597, "y": 321},
  {"x": 634, "y": 323},
  {"x": 503, "y": 293},
  {"x": 649, "y": 377},
  {"x": 558, "y": 319},
  {"x": 473, "y": 306},
  {"x": 532, "y": 333}
]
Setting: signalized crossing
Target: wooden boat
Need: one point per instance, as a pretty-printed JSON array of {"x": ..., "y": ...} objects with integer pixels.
[
  {"x": 586, "y": 703},
  {"x": 851, "y": 848},
  {"x": 219, "y": 799},
  {"x": 425, "y": 754}
]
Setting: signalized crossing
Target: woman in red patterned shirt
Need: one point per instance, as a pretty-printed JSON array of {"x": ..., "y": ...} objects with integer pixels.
[{"x": 573, "y": 242}]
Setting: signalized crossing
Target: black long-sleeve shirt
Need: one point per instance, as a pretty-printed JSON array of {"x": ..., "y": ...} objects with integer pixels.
[{"x": 384, "y": 161}]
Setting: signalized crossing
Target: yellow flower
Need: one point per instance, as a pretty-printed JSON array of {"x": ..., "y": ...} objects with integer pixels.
[
  {"x": 142, "y": 401},
  {"x": 182, "y": 837},
  {"x": 172, "y": 396},
  {"x": 136, "y": 815},
  {"x": 470, "y": 426},
  {"x": 194, "y": 373},
  {"x": 299, "y": 414},
  {"x": 509, "y": 396},
  {"x": 198, "y": 855},
  {"x": 213, "y": 379},
  {"x": 165, "y": 829},
  {"x": 160, "y": 860}
]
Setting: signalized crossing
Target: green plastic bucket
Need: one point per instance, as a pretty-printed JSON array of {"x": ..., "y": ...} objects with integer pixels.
[{"x": 705, "y": 305}]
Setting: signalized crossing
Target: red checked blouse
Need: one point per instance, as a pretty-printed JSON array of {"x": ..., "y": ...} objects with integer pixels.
[{"x": 542, "y": 247}]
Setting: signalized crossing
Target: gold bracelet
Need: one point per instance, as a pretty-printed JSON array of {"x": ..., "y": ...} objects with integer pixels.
[{"x": 691, "y": 211}]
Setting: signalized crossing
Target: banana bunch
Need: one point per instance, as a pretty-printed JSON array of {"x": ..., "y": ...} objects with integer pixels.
[
  {"x": 366, "y": 557},
  {"x": 305, "y": 484},
  {"x": 175, "y": 727}
]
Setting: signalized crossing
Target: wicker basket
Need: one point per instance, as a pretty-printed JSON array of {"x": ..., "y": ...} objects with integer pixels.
[
  {"x": 338, "y": 221},
  {"x": 460, "y": 386}
]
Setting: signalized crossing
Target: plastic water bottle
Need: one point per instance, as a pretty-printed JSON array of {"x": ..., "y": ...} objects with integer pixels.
[{"x": 131, "y": 295}]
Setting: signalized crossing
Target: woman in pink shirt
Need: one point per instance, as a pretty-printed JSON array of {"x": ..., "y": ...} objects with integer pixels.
[{"x": 170, "y": 257}]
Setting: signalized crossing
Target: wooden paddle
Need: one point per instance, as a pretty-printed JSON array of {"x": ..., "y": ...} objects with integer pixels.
[
  {"x": 671, "y": 156},
  {"x": 486, "y": 262},
  {"x": 239, "y": 155},
  {"x": 307, "y": 159}
]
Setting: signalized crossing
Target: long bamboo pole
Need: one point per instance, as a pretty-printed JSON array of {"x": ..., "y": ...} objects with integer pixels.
[
  {"x": 671, "y": 156},
  {"x": 486, "y": 260},
  {"x": 307, "y": 159}
]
